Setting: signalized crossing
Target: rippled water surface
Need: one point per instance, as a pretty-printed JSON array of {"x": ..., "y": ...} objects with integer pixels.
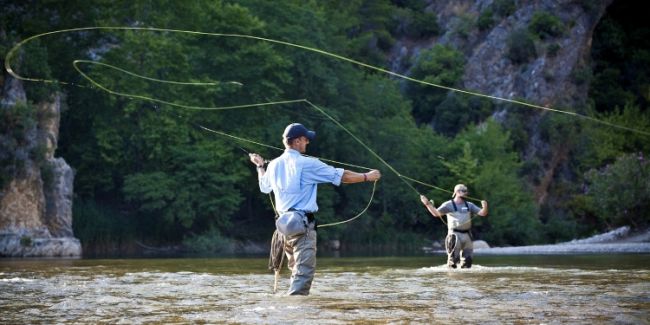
[{"x": 589, "y": 289}]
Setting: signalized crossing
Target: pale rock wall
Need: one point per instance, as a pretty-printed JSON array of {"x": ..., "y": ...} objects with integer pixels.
[
  {"x": 36, "y": 216},
  {"x": 547, "y": 80}
]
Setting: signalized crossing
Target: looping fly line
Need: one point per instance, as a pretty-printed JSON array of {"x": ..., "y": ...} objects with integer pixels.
[{"x": 76, "y": 64}]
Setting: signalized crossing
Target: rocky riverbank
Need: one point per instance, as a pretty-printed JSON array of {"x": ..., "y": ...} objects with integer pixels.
[{"x": 620, "y": 240}]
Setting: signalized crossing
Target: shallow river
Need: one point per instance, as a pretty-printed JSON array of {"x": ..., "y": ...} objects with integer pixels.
[{"x": 563, "y": 289}]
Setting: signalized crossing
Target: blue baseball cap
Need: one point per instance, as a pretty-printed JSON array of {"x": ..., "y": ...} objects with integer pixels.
[{"x": 296, "y": 130}]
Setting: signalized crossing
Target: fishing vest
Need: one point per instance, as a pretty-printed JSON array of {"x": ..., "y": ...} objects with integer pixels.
[{"x": 461, "y": 224}]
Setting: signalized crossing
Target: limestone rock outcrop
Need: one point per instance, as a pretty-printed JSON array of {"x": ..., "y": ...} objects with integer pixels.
[
  {"x": 36, "y": 202},
  {"x": 548, "y": 79}
]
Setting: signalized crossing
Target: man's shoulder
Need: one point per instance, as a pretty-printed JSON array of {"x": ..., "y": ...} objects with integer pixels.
[
  {"x": 310, "y": 161},
  {"x": 471, "y": 203},
  {"x": 446, "y": 203},
  {"x": 446, "y": 206}
]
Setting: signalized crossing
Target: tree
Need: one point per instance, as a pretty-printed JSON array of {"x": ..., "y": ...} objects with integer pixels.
[
  {"x": 439, "y": 65},
  {"x": 512, "y": 216},
  {"x": 619, "y": 192}
]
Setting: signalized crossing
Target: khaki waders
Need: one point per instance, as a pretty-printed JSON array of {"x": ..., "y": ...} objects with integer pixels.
[
  {"x": 301, "y": 260},
  {"x": 459, "y": 248}
]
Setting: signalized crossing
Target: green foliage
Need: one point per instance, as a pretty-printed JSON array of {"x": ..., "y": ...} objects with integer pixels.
[
  {"x": 183, "y": 192},
  {"x": 459, "y": 110},
  {"x": 33, "y": 63},
  {"x": 16, "y": 124},
  {"x": 209, "y": 242},
  {"x": 100, "y": 227},
  {"x": 552, "y": 49},
  {"x": 582, "y": 75},
  {"x": 621, "y": 59},
  {"x": 504, "y": 8},
  {"x": 465, "y": 167},
  {"x": 463, "y": 25},
  {"x": 415, "y": 23},
  {"x": 603, "y": 144},
  {"x": 485, "y": 19},
  {"x": 16, "y": 121},
  {"x": 521, "y": 47},
  {"x": 561, "y": 227},
  {"x": 490, "y": 167},
  {"x": 26, "y": 241},
  {"x": 425, "y": 24},
  {"x": 545, "y": 25},
  {"x": 620, "y": 190},
  {"x": 439, "y": 65}
]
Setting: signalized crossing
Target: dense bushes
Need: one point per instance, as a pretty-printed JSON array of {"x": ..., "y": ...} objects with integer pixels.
[
  {"x": 440, "y": 65},
  {"x": 521, "y": 46},
  {"x": 617, "y": 191},
  {"x": 544, "y": 25}
]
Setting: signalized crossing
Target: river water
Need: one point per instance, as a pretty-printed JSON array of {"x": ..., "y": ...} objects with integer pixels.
[{"x": 544, "y": 289}]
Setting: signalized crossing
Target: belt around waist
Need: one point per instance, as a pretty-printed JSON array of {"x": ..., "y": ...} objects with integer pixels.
[
  {"x": 310, "y": 216},
  {"x": 461, "y": 231}
]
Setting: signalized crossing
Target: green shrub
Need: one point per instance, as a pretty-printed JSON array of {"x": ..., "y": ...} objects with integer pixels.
[
  {"x": 25, "y": 241},
  {"x": 485, "y": 20},
  {"x": 521, "y": 47},
  {"x": 553, "y": 49},
  {"x": 463, "y": 26},
  {"x": 212, "y": 241},
  {"x": 426, "y": 24},
  {"x": 98, "y": 225},
  {"x": 439, "y": 65},
  {"x": 560, "y": 227},
  {"x": 15, "y": 123},
  {"x": 35, "y": 65},
  {"x": 620, "y": 191},
  {"x": 582, "y": 75},
  {"x": 47, "y": 174},
  {"x": 504, "y": 8},
  {"x": 544, "y": 25},
  {"x": 384, "y": 40}
]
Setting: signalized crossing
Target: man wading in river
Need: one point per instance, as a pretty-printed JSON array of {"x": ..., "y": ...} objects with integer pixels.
[
  {"x": 459, "y": 222},
  {"x": 293, "y": 178}
]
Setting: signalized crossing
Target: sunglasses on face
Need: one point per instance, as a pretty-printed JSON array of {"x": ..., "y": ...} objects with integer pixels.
[{"x": 464, "y": 191}]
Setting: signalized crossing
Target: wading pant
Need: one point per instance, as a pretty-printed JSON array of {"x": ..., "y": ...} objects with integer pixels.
[
  {"x": 459, "y": 249},
  {"x": 301, "y": 260}
]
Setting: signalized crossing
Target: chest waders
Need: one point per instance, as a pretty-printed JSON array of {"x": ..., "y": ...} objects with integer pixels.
[
  {"x": 453, "y": 240},
  {"x": 299, "y": 251}
]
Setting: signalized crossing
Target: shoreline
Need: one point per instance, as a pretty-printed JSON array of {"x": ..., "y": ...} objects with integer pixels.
[{"x": 619, "y": 240}]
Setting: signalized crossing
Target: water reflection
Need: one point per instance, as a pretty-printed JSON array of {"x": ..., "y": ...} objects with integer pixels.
[{"x": 530, "y": 289}]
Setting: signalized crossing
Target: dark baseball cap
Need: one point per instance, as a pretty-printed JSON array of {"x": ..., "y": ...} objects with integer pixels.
[{"x": 296, "y": 130}]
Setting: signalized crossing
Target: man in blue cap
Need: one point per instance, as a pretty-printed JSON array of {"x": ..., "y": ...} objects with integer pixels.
[{"x": 293, "y": 179}]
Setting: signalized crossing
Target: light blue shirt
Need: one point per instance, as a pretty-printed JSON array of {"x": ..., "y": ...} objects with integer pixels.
[{"x": 293, "y": 178}]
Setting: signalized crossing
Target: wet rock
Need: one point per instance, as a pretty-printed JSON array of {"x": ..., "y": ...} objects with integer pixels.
[{"x": 15, "y": 245}]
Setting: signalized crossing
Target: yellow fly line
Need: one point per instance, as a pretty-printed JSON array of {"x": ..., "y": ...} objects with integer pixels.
[{"x": 12, "y": 52}]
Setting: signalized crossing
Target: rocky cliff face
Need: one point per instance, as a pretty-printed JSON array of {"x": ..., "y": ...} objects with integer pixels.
[
  {"x": 36, "y": 204},
  {"x": 548, "y": 79}
]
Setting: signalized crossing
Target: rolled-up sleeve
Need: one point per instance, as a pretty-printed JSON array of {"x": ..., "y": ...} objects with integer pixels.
[
  {"x": 475, "y": 209},
  {"x": 265, "y": 185},
  {"x": 316, "y": 172}
]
